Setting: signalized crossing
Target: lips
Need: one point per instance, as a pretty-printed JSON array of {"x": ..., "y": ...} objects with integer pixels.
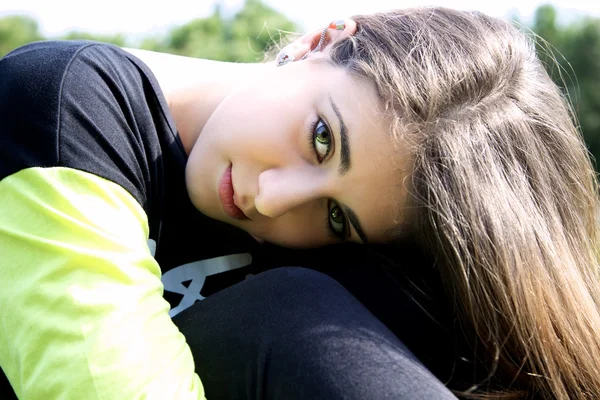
[{"x": 226, "y": 196}]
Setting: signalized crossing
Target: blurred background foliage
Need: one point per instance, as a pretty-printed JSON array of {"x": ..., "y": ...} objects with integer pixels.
[{"x": 244, "y": 36}]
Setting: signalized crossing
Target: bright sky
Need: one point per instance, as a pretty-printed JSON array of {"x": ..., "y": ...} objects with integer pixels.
[{"x": 138, "y": 18}]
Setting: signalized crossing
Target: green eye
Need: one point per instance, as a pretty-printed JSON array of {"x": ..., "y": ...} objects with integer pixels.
[
  {"x": 322, "y": 134},
  {"x": 321, "y": 140},
  {"x": 336, "y": 220}
]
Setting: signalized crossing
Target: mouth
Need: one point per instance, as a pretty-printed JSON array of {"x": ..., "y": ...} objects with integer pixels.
[{"x": 226, "y": 194}]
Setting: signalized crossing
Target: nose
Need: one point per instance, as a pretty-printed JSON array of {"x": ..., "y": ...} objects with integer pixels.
[{"x": 282, "y": 189}]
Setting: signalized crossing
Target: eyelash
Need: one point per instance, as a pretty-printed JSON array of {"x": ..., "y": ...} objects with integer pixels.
[{"x": 312, "y": 139}]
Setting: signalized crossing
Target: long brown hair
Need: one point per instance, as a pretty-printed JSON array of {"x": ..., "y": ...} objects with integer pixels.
[{"x": 503, "y": 194}]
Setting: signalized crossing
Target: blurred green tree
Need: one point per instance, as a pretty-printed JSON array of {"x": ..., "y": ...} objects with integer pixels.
[
  {"x": 572, "y": 57},
  {"x": 243, "y": 38},
  {"x": 17, "y": 30},
  {"x": 118, "y": 39}
]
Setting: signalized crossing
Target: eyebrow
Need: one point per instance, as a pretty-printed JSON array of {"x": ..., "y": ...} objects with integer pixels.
[
  {"x": 344, "y": 167},
  {"x": 345, "y": 145},
  {"x": 356, "y": 224}
]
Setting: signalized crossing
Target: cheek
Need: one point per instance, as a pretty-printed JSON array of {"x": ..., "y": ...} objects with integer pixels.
[
  {"x": 263, "y": 140},
  {"x": 252, "y": 124}
]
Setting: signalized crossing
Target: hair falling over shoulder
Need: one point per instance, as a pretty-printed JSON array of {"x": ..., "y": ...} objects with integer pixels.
[{"x": 503, "y": 193}]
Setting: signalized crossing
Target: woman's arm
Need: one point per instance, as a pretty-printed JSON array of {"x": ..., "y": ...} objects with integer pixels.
[
  {"x": 194, "y": 87},
  {"x": 81, "y": 308}
]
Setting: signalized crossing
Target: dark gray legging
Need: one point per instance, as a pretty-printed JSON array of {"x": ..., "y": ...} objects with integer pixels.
[{"x": 294, "y": 333}]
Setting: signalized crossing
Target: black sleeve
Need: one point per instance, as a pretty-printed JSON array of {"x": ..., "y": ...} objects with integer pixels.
[{"x": 87, "y": 106}]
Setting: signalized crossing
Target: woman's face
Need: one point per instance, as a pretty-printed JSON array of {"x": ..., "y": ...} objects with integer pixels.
[{"x": 302, "y": 158}]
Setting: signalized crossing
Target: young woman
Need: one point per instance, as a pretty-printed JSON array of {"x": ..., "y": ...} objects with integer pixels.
[{"x": 425, "y": 124}]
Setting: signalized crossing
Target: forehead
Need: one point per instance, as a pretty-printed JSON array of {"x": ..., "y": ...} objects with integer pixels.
[{"x": 374, "y": 187}]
